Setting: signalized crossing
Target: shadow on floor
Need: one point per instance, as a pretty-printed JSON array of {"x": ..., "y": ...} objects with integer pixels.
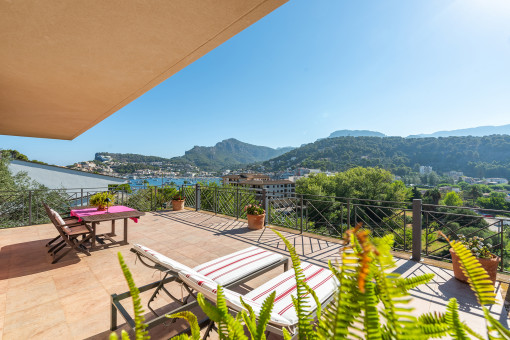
[{"x": 27, "y": 258}]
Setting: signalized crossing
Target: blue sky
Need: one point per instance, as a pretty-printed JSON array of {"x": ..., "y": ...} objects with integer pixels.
[{"x": 313, "y": 67}]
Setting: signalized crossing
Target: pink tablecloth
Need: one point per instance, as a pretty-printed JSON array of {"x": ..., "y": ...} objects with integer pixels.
[{"x": 93, "y": 211}]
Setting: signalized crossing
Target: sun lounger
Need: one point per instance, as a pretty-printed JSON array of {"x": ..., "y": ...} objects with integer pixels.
[
  {"x": 321, "y": 280},
  {"x": 228, "y": 271}
]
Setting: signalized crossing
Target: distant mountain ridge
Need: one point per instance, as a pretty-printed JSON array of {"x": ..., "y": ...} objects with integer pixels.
[
  {"x": 228, "y": 153},
  {"x": 356, "y": 133},
  {"x": 475, "y": 131}
]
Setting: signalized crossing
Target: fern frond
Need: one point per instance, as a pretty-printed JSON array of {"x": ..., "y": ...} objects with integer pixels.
[
  {"x": 409, "y": 283},
  {"x": 478, "y": 278},
  {"x": 192, "y": 320},
  {"x": 211, "y": 311},
  {"x": 305, "y": 323},
  {"x": 249, "y": 319},
  {"x": 495, "y": 329},
  {"x": 234, "y": 329},
  {"x": 140, "y": 326},
  {"x": 265, "y": 315},
  {"x": 456, "y": 329},
  {"x": 124, "y": 335},
  {"x": 433, "y": 324},
  {"x": 286, "y": 334},
  {"x": 371, "y": 319}
]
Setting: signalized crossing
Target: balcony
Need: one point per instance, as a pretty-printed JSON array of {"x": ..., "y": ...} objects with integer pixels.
[{"x": 71, "y": 299}]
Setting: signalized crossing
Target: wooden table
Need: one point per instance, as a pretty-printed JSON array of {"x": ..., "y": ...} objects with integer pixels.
[{"x": 93, "y": 220}]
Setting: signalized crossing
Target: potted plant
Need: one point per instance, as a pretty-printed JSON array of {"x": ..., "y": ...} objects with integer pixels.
[
  {"x": 178, "y": 201},
  {"x": 101, "y": 200},
  {"x": 482, "y": 252},
  {"x": 256, "y": 215}
]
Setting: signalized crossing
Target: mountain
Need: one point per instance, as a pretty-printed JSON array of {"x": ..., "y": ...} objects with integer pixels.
[
  {"x": 476, "y": 156},
  {"x": 476, "y": 131},
  {"x": 228, "y": 153},
  {"x": 356, "y": 133}
]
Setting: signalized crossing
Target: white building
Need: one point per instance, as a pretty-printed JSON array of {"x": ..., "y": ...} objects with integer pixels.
[
  {"x": 497, "y": 180},
  {"x": 425, "y": 170}
]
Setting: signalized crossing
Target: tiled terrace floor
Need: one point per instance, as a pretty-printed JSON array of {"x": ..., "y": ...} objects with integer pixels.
[{"x": 71, "y": 298}]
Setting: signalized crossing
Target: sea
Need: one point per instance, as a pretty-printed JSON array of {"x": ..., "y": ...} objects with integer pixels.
[{"x": 175, "y": 181}]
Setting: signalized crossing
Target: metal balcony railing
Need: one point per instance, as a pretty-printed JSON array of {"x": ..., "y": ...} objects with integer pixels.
[{"x": 414, "y": 225}]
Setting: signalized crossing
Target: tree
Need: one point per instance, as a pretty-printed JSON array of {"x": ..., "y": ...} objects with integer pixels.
[
  {"x": 434, "y": 195},
  {"x": 416, "y": 194},
  {"x": 452, "y": 199},
  {"x": 475, "y": 192}
]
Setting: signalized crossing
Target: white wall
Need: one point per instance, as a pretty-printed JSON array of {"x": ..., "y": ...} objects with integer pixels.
[{"x": 55, "y": 177}]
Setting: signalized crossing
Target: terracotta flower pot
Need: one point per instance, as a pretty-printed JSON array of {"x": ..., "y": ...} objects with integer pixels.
[
  {"x": 101, "y": 207},
  {"x": 490, "y": 265},
  {"x": 256, "y": 221},
  {"x": 177, "y": 205}
]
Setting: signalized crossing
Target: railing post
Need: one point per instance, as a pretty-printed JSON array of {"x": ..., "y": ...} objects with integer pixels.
[
  {"x": 29, "y": 207},
  {"x": 502, "y": 262},
  {"x": 215, "y": 199},
  {"x": 348, "y": 213},
  {"x": 417, "y": 222},
  {"x": 197, "y": 197},
  {"x": 301, "y": 222},
  {"x": 237, "y": 202},
  {"x": 151, "y": 197},
  {"x": 265, "y": 204},
  {"x": 81, "y": 200}
]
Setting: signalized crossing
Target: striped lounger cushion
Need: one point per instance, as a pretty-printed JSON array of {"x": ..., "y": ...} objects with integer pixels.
[
  {"x": 321, "y": 280},
  {"x": 224, "y": 270}
]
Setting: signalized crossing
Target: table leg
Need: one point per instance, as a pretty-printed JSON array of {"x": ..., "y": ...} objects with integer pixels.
[
  {"x": 113, "y": 228},
  {"x": 125, "y": 231},
  {"x": 93, "y": 241}
]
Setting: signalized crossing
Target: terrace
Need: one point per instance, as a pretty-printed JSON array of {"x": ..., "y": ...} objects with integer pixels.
[{"x": 71, "y": 299}]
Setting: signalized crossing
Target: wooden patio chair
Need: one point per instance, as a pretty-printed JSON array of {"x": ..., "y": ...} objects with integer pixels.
[
  {"x": 71, "y": 220},
  {"x": 69, "y": 233}
]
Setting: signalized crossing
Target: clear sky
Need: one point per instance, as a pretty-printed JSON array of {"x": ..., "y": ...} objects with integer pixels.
[{"x": 312, "y": 67}]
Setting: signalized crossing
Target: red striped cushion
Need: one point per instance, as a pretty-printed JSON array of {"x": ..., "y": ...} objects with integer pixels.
[
  {"x": 321, "y": 280},
  {"x": 230, "y": 268},
  {"x": 208, "y": 288}
]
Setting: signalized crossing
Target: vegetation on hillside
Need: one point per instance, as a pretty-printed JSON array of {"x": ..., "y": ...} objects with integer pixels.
[{"x": 475, "y": 156}]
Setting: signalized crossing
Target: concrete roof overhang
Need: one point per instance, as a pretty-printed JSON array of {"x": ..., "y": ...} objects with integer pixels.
[{"x": 67, "y": 65}]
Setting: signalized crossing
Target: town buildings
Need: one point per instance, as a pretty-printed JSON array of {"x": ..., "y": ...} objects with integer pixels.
[{"x": 275, "y": 188}]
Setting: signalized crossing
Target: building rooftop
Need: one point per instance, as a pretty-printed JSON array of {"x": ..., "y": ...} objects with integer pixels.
[{"x": 71, "y": 299}]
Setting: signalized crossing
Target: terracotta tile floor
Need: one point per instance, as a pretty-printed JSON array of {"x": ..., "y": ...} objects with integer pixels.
[{"x": 71, "y": 299}]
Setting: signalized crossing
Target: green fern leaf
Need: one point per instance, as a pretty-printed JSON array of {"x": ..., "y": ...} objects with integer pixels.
[
  {"x": 371, "y": 319},
  {"x": 456, "y": 330},
  {"x": 211, "y": 311},
  {"x": 495, "y": 329},
  {"x": 265, "y": 315},
  {"x": 305, "y": 323},
  {"x": 124, "y": 335},
  {"x": 409, "y": 283},
  {"x": 192, "y": 320},
  {"x": 140, "y": 326},
  {"x": 478, "y": 278}
]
